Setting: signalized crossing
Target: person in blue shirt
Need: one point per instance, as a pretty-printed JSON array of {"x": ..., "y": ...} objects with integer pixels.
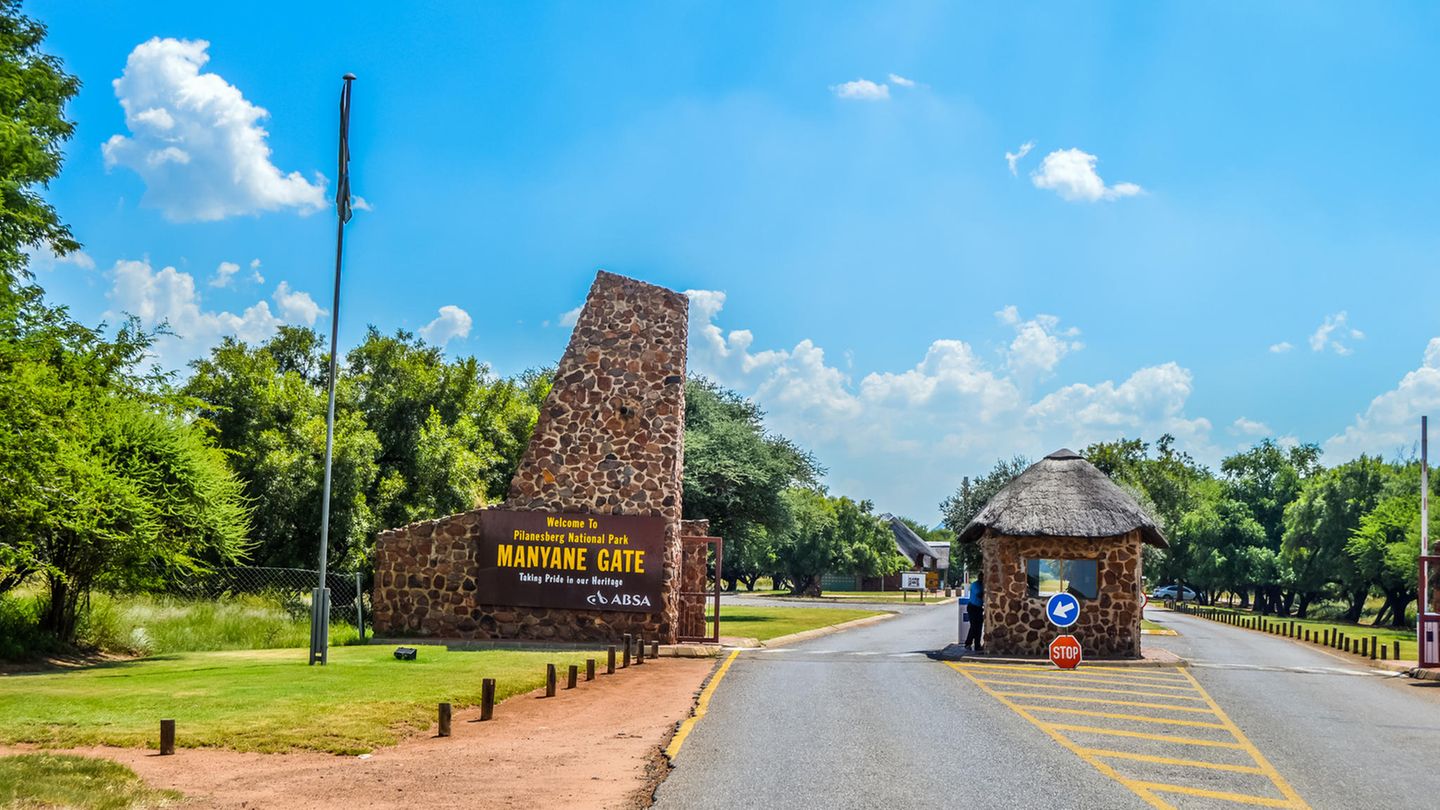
[{"x": 975, "y": 609}]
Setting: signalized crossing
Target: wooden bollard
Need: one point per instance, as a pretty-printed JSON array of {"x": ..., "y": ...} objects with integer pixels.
[
  {"x": 571, "y": 676},
  {"x": 1326, "y": 641},
  {"x": 625, "y": 659},
  {"x": 1383, "y": 651},
  {"x": 487, "y": 698},
  {"x": 610, "y": 661},
  {"x": 167, "y": 737},
  {"x": 549, "y": 680},
  {"x": 1397, "y": 650},
  {"x": 444, "y": 719},
  {"x": 590, "y": 669},
  {"x": 640, "y": 652},
  {"x": 1374, "y": 642},
  {"x": 654, "y": 649}
]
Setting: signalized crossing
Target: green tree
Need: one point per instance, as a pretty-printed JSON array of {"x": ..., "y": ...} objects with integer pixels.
[
  {"x": 1319, "y": 524},
  {"x": 1267, "y": 478},
  {"x": 416, "y": 436},
  {"x": 807, "y": 546},
  {"x": 736, "y": 475},
  {"x": 866, "y": 545},
  {"x": 1386, "y": 551},
  {"x": 34, "y": 89},
  {"x": 958, "y": 509}
]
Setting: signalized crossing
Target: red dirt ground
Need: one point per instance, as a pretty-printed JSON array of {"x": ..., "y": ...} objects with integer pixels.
[{"x": 594, "y": 746}]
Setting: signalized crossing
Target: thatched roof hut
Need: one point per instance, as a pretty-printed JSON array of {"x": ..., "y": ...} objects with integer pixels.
[{"x": 1063, "y": 495}]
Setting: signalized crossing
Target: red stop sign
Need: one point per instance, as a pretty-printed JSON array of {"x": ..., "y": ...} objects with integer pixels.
[{"x": 1065, "y": 652}]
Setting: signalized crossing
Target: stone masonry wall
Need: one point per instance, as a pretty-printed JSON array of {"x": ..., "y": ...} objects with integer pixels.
[
  {"x": 1015, "y": 624},
  {"x": 609, "y": 440}
]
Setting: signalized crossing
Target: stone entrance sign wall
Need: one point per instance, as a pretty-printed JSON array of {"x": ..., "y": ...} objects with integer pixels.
[
  {"x": 1015, "y": 623},
  {"x": 609, "y": 440}
]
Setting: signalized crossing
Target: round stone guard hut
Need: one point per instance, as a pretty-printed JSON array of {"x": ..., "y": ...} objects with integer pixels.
[{"x": 1062, "y": 525}]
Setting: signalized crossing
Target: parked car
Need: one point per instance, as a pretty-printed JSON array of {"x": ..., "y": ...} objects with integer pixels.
[{"x": 1168, "y": 592}]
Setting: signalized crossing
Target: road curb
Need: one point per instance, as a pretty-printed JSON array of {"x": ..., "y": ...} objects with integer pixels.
[
  {"x": 806, "y": 635},
  {"x": 1424, "y": 674}
]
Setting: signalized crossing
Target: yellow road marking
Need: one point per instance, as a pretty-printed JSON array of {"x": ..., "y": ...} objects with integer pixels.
[
  {"x": 701, "y": 706},
  {"x": 1096, "y": 671},
  {"x": 1189, "y": 763},
  {"x": 1145, "y": 735},
  {"x": 1144, "y": 793},
  {"x": 1137, "y": 717},
  {"x": 1141, "y": 704},
  {"x": 1250, "y": 747},
  {"x": 1243, "y": 798},
  {"x": 1146, "y": 790},
  {"x": 1053, "y": 685},
  {"x": 1100, "y": 681}
]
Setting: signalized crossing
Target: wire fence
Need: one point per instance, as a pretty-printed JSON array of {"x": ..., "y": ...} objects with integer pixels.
[{"x": 292, "y": 588}]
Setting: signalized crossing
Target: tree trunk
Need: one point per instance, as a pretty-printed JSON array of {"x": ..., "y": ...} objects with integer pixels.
[
  {"x": 806, "y": 585},
  {"x": 1398, "y": 602},
  {"x": 1244, "y": 598},
  {"x": 730, "y": 584},
  {"x": 1305, "y": 599},
  {"x": 750, "y": 581},
  {"x": 1357, "y": 605},
  {"x": 59, "y": 618}
]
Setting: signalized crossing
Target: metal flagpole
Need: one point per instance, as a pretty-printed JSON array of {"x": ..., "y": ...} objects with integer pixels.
[{"x": 320, "y": 600}]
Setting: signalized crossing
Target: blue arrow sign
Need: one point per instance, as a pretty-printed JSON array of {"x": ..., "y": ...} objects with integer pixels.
[{"x": 1062, "y": 609}]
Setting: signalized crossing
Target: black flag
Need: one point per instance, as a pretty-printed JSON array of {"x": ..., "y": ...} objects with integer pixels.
[{"x": 342, "y": 187}]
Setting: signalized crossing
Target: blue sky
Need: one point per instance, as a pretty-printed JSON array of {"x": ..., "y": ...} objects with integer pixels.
[{"x": 1207, "y": 185}]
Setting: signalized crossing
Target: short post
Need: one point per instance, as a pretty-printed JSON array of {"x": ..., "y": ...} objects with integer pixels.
[
  {"x": 1397, "y": 650},
  {"x": 444, "y": 719},
  {"x": 625, "y": 660},
  {"x": 1374, "y": 642},
  {"x": 167, "y": 737},
  {"x": 359, "y": 606},
  {"x": 640, "y": 652},
  {"x": 610, "y": 661},
  {"x": 1384, "y": 651},
  {"x": 571, "y": 676},
  {"x": 654, "y": 649},
  {"x": 549, "y": 680},
  {"x": 487, "y": 698},
  {"x": 590, "y": 669}
]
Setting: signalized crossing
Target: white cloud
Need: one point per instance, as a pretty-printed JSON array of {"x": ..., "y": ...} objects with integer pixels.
[
  {"x": 41, "y": 257},
  {"x": 905, "y": 437},
  {"x": 570, "y": 317},
  {"x": 255, "y": 272},
  {"x": 1013, "y": 158},
  {"x": 452, "y": 322},
  {"x": 861, "y": 90},
  {"x": 1071, "y": 174},
  {"x": 360, "y": 203},
  {"x": 1249, "y": 427},
  {"x": 224, "y": 274},
  {"x": 197, "y": 142},
  {"x": 168, "y": 296},
  {"x": 900, "y": 81},
  {"x": 1281, "y": 347},
  {"x": 296, "y": 306},
  {"x": 1392, "y": 420},
  {"x": 1039, "y": 343},
  {"x": 1333, "y": 332}
]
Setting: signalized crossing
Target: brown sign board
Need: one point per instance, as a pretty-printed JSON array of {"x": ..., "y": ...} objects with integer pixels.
[{"x": 575, "y": 562}]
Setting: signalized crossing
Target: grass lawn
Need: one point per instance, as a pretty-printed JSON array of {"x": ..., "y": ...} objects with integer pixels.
[
  {"x": 1387, "y": 635},
  {"x": 261, "y": 700},
  {"x": 1146, "y": 624},
  {"x": 52, "y": 780},
  {"x": 766, "y": 623}
]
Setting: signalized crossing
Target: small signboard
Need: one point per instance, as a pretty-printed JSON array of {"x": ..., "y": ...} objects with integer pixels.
[
  {"x": 1062, "y": 609},
  {"x": 1065, "y": 652},
  {"x": 578, "y": 562},
  {"x": 912, "y": 580}
]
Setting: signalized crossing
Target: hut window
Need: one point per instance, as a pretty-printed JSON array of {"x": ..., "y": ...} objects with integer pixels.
[{"x": 1079, "y": 578}]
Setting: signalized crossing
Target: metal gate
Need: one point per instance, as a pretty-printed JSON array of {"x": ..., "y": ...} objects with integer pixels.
[
  {"x": 1429, "y": 629},
  {"x": 695, "y": 597}
]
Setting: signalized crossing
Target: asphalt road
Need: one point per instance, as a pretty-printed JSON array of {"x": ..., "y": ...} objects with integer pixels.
[{"x": 865, "y": 718}]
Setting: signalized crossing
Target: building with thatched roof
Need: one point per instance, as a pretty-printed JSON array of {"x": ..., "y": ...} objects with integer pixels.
[{"x": 1062, "y": 525}]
